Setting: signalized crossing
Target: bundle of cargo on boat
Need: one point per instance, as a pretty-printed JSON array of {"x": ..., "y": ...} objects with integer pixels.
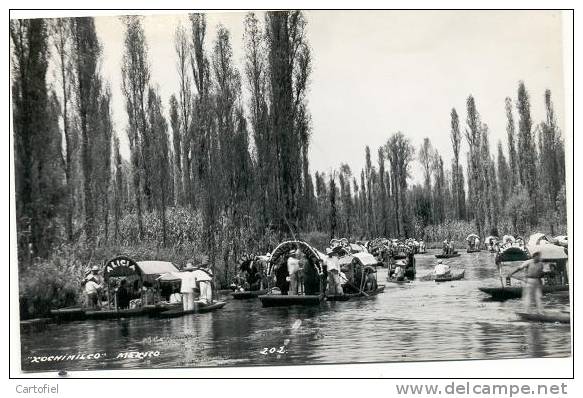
[
  {"x": 555, "y": 277},
  {"x": 131, "y": 289},
  {"x": 305, "y": 285}
]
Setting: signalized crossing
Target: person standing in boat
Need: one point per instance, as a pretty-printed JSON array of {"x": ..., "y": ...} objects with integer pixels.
[
  {"x": 293, "y": 268},
  {"x": 533, "y": 290},
  {"x": 93, "y": 284},
  {"x": 122, "y": 295},
  {"x": 205, "y": 284},
  {"x": 187, "y": 287},
  {"x": 445, "y": 247},
  {"x": 333, "y": 269}
]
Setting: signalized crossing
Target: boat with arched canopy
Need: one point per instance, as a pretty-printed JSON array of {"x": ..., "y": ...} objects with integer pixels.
[{"x": 310, "y": 276}]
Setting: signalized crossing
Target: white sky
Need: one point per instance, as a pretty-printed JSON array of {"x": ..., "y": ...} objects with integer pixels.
[{"x": 378, "y": 72}]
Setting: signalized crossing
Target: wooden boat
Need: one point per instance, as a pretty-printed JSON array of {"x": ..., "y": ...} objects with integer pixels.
[
  {"x": 450, "y": 255},
  {"x": 348, "y": 296},
  {"x": 199, "y": 308},
  {"x": 511, "y": 292},
  {"x": 552, "y": 317},
  {"x": 248, "y": 294},
  {"x": 403, "y": 282},
  {"x": 453, "y": 276},
  {"x": 473, "y": 250},
  {"x": 79, "y": 314},
  {"x": 281, "y": 300}
]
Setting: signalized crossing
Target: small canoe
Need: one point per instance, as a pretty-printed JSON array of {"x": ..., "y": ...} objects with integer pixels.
[
  {"x": 248, "y": 294},
  {"x": 199, "y": 308},
  {"x": 473, "y": 250},
  {"x": 511, "y": 292},
  {"x": 550, "y": 317},
  {"x": 400, "y": 256},
  {"x": 348, "y": 296},
  {"x": 443, "y": 255},
  {"x": 283, "y": 300},
  {"x": 453, "y": 276},
  {"x": 79, "y": 314}
]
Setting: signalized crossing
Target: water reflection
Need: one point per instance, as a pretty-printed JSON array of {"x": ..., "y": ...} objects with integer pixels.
[{"x": 418, "y": 321}]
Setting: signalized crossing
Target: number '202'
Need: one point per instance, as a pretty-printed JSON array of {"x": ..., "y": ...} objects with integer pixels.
[{"x": 273, "y": 350}]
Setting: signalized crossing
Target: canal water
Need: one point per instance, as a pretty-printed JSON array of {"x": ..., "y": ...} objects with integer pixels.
[{"x": 415, "y": 322}]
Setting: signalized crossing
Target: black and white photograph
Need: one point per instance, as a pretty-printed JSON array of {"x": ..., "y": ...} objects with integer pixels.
[{"x": 214, "y": 189}]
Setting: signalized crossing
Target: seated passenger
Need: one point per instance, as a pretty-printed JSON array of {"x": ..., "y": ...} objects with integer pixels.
[
  {"x": 441, "y": 269},
  {"x": 399, "y": 273},
  {"x": 175, "y": 297}
]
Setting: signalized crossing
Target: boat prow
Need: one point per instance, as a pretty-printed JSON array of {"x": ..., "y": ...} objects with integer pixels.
[
  {"x": 248, "y": 294},
  {"x": 545, "y": 317},
  {"x": 512, "y": 292}
]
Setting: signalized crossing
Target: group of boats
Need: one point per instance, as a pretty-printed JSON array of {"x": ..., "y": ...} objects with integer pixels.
[{"x": 347, "y": 271}]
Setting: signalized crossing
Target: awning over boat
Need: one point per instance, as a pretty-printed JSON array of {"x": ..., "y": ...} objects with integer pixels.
[
  {"x": 561, "y": 240},
  {"x": 472, "y": 237},
  {"x": 550, "y": 252},
  {"x": 285, "y": 247},
  {"x": 198, "y": 275},
  {"x": 491, "y": 238},
  {"x": 156, "y": 267},
  {"x": 366, "y": 259},
  {"x": 537, "y": 239}
]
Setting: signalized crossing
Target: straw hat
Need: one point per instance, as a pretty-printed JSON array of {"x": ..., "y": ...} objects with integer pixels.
[
  {"x": 439, "y": 262},
  {"x": 400, "y": 262},
  {"x": 95, "y": 268}
]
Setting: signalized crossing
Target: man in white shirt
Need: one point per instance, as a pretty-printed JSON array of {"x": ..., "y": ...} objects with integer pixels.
[
  {"x": 441, "y": 269},
  {"x": 293, "y": 268},
  {"x": 333, "y": 269}
]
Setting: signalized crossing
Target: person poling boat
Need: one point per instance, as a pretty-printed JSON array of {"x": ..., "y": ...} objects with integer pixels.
[{"x": 534, "y": 273}]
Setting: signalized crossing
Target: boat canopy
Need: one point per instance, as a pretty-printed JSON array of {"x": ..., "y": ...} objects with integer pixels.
[
  {"x": 537, "y": 239},
  {"x": 198, "y": 275},
  {"x": 366, "y": 259},
  {"x": 512, "y": 253},
  {"x": 285, "y": 247},
  {"x": 125, "y": 266},
  {"x": 355, "y": 248},
  {"x": 550, "y": 252},
  {"x": 472, "y": 237},
  {"x": 561, "y": 240}
]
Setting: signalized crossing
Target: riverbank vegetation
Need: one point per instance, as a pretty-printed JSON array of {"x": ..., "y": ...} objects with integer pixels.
[{"x": 227, "y": 173}]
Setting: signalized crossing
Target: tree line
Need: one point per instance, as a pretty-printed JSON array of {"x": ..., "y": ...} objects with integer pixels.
[
  {"x": 236, "y": 166},
  {"x": 519, "y": 189}
]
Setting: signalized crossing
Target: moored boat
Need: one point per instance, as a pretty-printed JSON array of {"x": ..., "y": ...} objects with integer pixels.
[
  {"x": 453, "y": 276},
  {"x": 448, "y": 255},
  {"x": 199, "y": 308},
  {"x": 512, "y": 292}
]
